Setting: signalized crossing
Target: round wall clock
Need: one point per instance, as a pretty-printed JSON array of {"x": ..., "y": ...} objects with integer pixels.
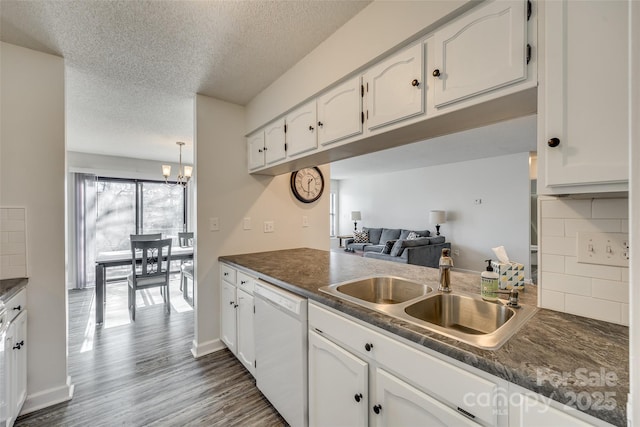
[{"x": 307, "y": 184}]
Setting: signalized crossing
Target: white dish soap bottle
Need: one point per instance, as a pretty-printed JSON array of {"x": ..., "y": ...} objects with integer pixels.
[{"x": 489, "y": 283}]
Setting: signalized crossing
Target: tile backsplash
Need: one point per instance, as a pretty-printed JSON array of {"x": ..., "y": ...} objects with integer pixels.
[
  {"x": 13, "y": 243},
  {"x": 596, "y": 291}
]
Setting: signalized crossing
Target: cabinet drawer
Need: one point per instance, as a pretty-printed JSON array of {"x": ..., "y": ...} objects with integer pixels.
[
  {"x": 228, "y": 274},
  {"x": 455, "y": 386},
  {"x": 245, "y": 282},
  {"x": 16, "y": 305}
]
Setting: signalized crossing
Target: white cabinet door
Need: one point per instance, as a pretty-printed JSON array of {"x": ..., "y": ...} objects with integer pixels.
[
  {"x": 394, "y": 88},
  {"x": 584, "y": 104},
  {"x": 255, "y": 150},
  {"x": 16, "y": 365},
  {"x": 481, "y": 51},
  {"x": 398, "y": 404},
  {"x": 274, "y": 149},
  {"x": 228, "y": 315},
  {"x": 301, "y": 129},
  {"x": 340, "y": 112},
  {"x": 338, "y": 385},
  {"x": 246, "y": 346},
  {"x": 527, "y": 411}
]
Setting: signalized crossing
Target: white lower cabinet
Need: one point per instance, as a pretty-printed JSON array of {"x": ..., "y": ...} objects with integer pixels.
[
  {"x": 15, "y": 375},
  {"x": 397, "y": 403},
  {"x": 246, "y": 345},
  {"x": 351, "y": 366},
  {"x": 236, "y": 315},
  {"x": 338, "y": 385}
]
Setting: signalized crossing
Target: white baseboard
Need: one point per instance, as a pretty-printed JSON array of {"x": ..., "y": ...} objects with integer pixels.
[
  {"x": 46, "y": 398},
  {"x": 199, "y": 350}
]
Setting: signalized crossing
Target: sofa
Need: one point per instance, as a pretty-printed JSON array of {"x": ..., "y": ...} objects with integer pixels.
[{"x": 416, "y": 247}]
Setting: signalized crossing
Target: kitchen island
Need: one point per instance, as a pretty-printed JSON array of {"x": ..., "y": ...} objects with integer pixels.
[{"x": 552, "y": 354}]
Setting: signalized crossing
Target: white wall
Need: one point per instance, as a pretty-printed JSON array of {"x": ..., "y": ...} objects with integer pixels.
[
  {"x": 225, "y": 190},
  {"x": 374, "y": 31},
  {"x": 404, "y": 199},
  {"x": 32, "y": 174}
]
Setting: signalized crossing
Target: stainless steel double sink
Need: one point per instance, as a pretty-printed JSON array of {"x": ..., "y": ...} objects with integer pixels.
[{"x": 464, "y": 317}]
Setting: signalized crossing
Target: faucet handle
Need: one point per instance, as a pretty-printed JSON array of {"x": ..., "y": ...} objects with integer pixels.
[{"x": 513, "y": 297}]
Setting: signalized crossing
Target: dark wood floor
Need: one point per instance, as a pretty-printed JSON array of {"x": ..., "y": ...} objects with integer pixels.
[{"x": 143, "y": 374}]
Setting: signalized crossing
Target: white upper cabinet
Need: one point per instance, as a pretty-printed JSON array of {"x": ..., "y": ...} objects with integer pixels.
[
  {"x": 482, "y": 51},
  {"x": 394, "y": 88},
  {"x": 301, "y": 129},
  {"x": 255, "y": 150},
  {"x": 340, "y": 112},
  {"x": 274, "y": 140},
  {"x": 583, "y": 138}
]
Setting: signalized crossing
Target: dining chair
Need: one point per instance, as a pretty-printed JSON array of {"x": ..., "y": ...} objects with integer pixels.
[
  {"x": 145, "y": 237},
  {"x": 152, "y": 272},
  {"x": 185, "y": 240}
]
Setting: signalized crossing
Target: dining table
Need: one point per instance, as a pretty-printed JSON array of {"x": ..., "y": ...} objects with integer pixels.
[{"x": 109, "y": 259}]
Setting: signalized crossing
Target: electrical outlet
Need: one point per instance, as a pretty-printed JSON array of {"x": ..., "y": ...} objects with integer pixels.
[
  {"x": 477, "y": 202},
  {"x": 269, "y": 227},
  {"x": 456, "y": 252},
  {"x": 603, "y": 248},
  {"x": 214, "y": 224},
  {"x": 305, "y": 221},
  {"x": 246, "y": 224}
]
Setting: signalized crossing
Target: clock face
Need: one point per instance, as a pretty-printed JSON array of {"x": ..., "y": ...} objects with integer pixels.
[{"x": 307, "y": 184}]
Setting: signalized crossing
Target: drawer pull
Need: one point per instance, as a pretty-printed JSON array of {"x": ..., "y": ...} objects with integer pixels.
[
  {"x": 358, "y": 397},
  {"x": 226, "y": 274},
  {"x": 553, "y": 142},
  {"x": 368, "y": 346},
  {"x": 377, "y": 409},
  {"x": 243, "y": 282},
  {"x": 18, "y": 308},
  {"x": 18, "y": 345}
]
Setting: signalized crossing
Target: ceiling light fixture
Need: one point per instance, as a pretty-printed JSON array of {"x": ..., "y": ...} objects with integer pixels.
[{"x": 184, "y": 172}]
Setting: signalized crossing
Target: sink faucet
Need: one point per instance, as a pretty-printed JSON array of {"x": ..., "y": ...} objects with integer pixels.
[
  {"x": 513, "y": 297},
  {"x": 445, "y": 265}
]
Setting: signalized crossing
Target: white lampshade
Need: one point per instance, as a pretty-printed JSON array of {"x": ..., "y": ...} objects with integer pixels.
[
  {"x": 166, "y": 171},
  {"x": 437, "y": 217},
  {"x": 188, "y": 171},
  {"x": 356, "y": 216}
]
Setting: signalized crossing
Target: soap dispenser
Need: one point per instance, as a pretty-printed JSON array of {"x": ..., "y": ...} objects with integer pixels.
[{"x": 489, "y": 283}]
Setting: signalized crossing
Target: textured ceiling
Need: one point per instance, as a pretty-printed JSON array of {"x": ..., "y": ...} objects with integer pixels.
[{"x": 132, "y": 67}]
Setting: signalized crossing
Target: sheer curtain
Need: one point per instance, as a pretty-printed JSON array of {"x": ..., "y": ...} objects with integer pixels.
[{"x": 85, "y": 229}]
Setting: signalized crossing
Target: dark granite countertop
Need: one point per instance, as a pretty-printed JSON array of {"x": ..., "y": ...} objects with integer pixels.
[
  {"x": 10, "y": 287},
  {"x": 558, "y": 355}
]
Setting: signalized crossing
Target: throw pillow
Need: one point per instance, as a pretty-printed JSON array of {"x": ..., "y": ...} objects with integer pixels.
[
  {"x": 412, "y": 235},
  {"x": 388, "y": 246},
  {"x": 388, "y": 234},
  {"x": 397, "y": 248},
  {"x": 360, "y": 237}
]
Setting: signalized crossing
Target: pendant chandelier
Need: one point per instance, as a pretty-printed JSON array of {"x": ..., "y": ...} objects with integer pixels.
[{"x": 184, "y": 172}]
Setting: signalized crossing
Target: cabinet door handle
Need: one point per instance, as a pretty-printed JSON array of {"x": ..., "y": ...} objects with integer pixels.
[
  {"x": 18, "y": 308},
  {"x": 242, "y": 282},
  {"x": 358, "y": 397},
  {"x": 235, "y": 305},
  {"x": 18, "y": 345},
  {"x": 225, "y": 273},
  {"x": 553, "y": 142},
  {"x": 368, "y": 346},
  {"x": 377, "y": 409},
  {"x": 415, "y": 82},
  {"x": 231, "y": 302},
  {"x": 320, "y": 124},
  {"x": 436, "y": 73},
  {"x": 259, "y": 151},
  {"x": 311, "y": 128}
]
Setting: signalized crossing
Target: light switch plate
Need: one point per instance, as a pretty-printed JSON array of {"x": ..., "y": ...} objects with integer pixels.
[
  {"x": 246, "y": 224},
  {"x": 214, "y": 224},
  {"x": 269, "y": 227},
  {"x": 603, "y": 248}
]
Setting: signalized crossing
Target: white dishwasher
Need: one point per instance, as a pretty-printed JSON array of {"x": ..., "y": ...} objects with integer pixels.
[{"x": 281, "y": 351}]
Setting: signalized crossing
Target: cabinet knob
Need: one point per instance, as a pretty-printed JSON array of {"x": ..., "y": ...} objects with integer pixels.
[
  {"x": 415, "y": 82},
  {"x": 553, "y": 142},
  {"x": 358, "y": 397},
  {"x": 259, "y": 151},
  {"x": 265, "y": 148},
  {"x": 436, "y": 73},
  {"x": 226, "y": 274},
  {"x": 368, "y": 346},
  {"x": 377, "y": 409},
  {"x": 18, "y": 345},
  {"x": 231, "y": 302},
  {"x": 235, "y": 305},
  {"x": 18, "y": 308},
  {"x": 242, "y": 282},
  {"x": 320, "y": 124},
  {"x": 311, "y": 128}
]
